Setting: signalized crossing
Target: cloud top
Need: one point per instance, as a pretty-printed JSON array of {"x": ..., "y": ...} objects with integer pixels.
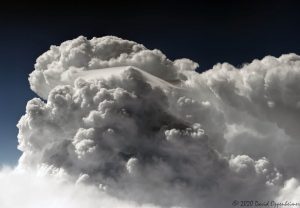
[{"x": 61, "y": 63}]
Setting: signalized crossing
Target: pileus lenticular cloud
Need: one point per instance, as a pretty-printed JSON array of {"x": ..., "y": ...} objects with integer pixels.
[{"x": 139, "y": 130}]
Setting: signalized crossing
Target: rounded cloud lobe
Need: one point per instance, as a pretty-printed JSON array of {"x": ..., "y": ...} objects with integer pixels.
[
  {"x": 129, "y": 123},
  {"x": 61, "y": 64}
]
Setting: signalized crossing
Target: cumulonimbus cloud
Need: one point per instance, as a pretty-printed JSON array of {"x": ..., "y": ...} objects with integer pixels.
[{"x": 129, "y": 123}]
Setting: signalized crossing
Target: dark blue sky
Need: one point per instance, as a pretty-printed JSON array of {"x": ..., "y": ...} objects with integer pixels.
[{"x": 207, "y": 32}]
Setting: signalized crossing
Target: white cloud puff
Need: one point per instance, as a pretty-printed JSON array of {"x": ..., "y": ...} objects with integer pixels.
[
  {"x": 61, "y": 64},
  {"x": 290, "y": 192},
  {"x": 150, "y": 131},
  {"x": 29, "y": 190}
]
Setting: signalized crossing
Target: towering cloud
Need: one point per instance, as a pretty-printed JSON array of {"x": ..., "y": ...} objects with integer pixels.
[{"x": 139, "y": 130}]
